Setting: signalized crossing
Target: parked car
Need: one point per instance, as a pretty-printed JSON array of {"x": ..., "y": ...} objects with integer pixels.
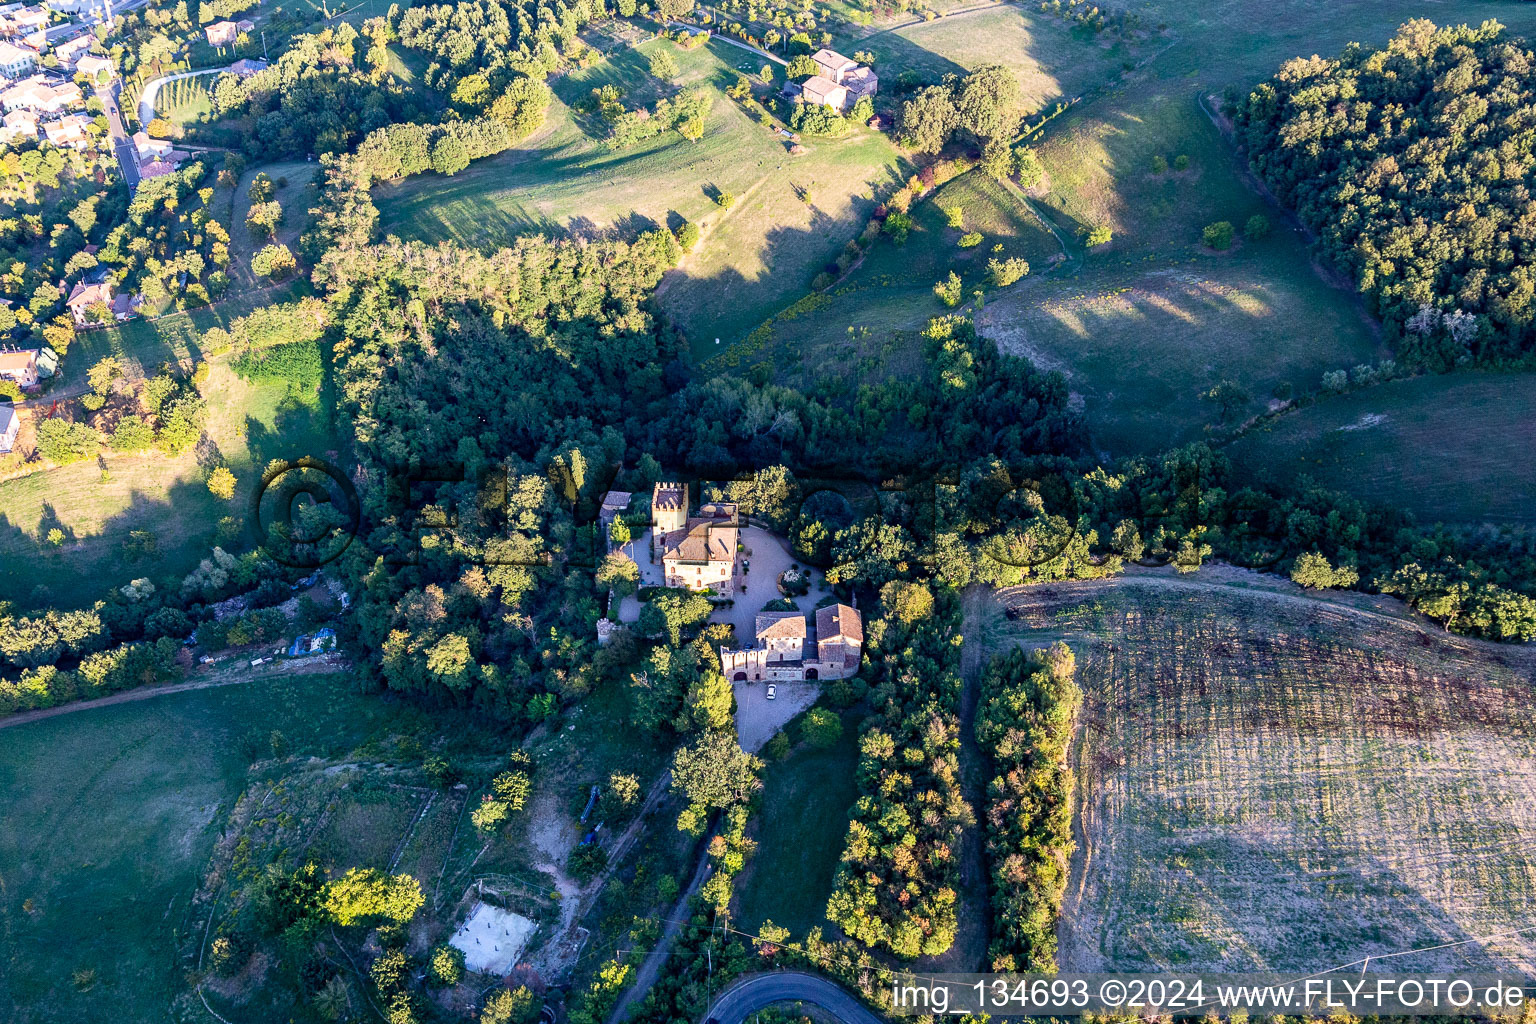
[{"x": 772, "y": 692}]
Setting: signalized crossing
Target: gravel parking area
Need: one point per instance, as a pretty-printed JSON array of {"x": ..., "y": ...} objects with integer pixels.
[{"x": 758, "y": 718}]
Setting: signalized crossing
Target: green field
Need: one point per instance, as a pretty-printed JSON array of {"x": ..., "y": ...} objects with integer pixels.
[
  {"x": 1454, "y": 448},
  {"x": 868, "y": 325},
  {"x": 752, "y": 259},
  {"x": 1051, "y": 62},
  {"x": 1155, "y": 318},
  {"x": 295, "y": 192},
  {"x": 806, "y": 800},
  {"x": 1267, "y": 781},
  {"x": 185, "y": 101},
  {"x": 111, "y": 814},
  {"x": 166, "y": 496}
]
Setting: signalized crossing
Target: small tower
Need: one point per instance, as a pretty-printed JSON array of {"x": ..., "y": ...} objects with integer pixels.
[{"x": 669, "y": 507}]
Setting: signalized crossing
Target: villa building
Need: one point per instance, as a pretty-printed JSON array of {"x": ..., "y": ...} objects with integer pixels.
[
  {"x": 785, "y": 650},
  {"x": 697, "y": 552}
]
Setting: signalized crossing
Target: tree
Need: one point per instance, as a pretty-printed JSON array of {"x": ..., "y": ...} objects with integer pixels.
[
  {"x": 989, "y": 104},
  {"x": 688, "y": 235},
  {"x": 1005, "y": 272},
  {"x": 998, "y": 160},
  {"x": 1256, "y": 228},
  {"x": 821, "y": 728},
  {"x": 949, "y": 290},
  {"x": 221, "y": 483},
  {"x": 132, "y": 434},
  {"x": 104, "y": 374},
  {"x": 664, "y": 66},
  {"x": 445, "y": 966},
  {"x": 1313, "y": 571},
  {"x": 263, "y": 219},
  {"x": 673, "y": 10},
  {"x": 449, "y": 156},
  {"x": 1218, "y": 235},
  {"x": 714, "y": 771},
  {"x": 1098, "y": 236},
  {"x": 1229, "y": 397},
  {"x": 927, "y": 120},
  {"x": 274, "y": 261},
  {"x": 766, "y": 74},
  {"x": 801, "y": 68},
  {"x": 1030, "y": 170},
  {"x": 518, "y": 1006},
  {"x": 370, "y": 893}
]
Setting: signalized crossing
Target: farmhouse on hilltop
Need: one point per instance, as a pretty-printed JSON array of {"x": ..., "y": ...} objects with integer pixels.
[
  {"x": 784, "y": 651},
  {"x": 839, "y": 82},
  {"x": 697, "y": 552}
]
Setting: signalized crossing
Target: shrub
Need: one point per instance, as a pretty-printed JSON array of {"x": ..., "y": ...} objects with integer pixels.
[
  {"x": 1218, "y": 236},
  {"x": 274, "y": 261},
  {"x": 1031, "y": 170},
  {"x": 949, "y": 290},
  {"x": 1312, "y": 571},
  {"x": 1005, "y": 272},
  {"x": 1159, "y": 164},
  {"x": 821, "y": 728},
  {"x": 1181, "y": 162},
  {"x": 1336, "y": 381},
  {"x": 1099, "y": 236},
  {"x": 1256, "y": 228},
  {"x": 970, "y": 240},
  {"x": 688, "y": 235},
  {"x": 725, "y": 200},
  {"x": 954, "y": 216},
  {"x": 221, "y": 483},
  {"x": 898, "y": 225}
]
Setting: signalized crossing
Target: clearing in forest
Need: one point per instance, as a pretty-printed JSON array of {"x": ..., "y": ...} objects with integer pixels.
[{"x": 1268, "y": 781}]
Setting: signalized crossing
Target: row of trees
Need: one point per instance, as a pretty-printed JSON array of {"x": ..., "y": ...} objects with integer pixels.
[
  {"x": 1025, "y": 723},
  {"x": 897, "y": 884}
]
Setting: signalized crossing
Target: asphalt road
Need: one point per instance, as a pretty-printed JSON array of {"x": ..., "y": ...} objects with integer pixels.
[
  {"x": 122, "y": 145},
  {"x": 747, "y": 996}
]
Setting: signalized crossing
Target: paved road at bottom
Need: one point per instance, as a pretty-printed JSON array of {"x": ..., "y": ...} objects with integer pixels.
[{"x": 743, "y": 998}]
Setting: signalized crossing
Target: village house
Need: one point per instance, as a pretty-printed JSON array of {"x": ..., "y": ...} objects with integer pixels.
[
  {"x": 226, "y": 33},
  {"x": 70, "y": 131},
  {"x": 151, "y": 149},
  {"x": 20, "y": 366},
  {"x": 92, "y": 67},
  {"x": 839, "y": 83},
  {"x": 15, "y": 61},
  {"x": 71, "y": 50},
  {"x": 785, "y": 650},
  {"x": 246, "y": 67},
  {"x": 42, "y": 96},
  {"x": 18, "y": 124},
  {"x": 23, "y": 22},
  {"x": 86, "y": 297},
  {"x": 156, "y": 169},
  {"x": 697, "y": 552}
]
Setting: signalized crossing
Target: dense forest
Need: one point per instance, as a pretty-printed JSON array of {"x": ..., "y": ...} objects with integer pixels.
[{"x": 1414, "y": 166}]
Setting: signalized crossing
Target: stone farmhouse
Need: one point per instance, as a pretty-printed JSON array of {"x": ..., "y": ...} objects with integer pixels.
[
  {"x": 784, "y": 649},
  {"x": 839, "y": 83},
  {"x": 697, "y": 552}
]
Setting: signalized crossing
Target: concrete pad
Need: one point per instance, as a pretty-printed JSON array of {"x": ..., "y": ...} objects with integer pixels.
[
  {"x": 492, "y": 939},
  {"x": 758, "y": 718}
]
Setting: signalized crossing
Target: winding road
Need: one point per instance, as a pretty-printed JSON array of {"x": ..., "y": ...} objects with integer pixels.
[
  {"x": 745, "y": 997},
  {"x": 147, "y": 97}
]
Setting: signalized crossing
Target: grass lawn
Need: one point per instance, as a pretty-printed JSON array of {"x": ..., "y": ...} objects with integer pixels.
[
  {"x": 806, "y": 800},
  {"x": 1453, "y": 448},
  {"x": 295, "y": 193},
  {"x": 186, "y": 100},
  {"x": 110, "y": 817},
  {"x": 1147, "y": 323},
  {"x": 166, "y": 496},
  {"x": 1050, "y": 60},
  {"x": 752, "y": 259},
  {"x": 868, "y": 324}
]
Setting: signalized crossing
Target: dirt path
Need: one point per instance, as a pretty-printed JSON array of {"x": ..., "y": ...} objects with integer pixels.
[
  {"x": 650, "y": 967},
  {"x": 230, "y": 676},
  {"x": 971, "y": 939}
]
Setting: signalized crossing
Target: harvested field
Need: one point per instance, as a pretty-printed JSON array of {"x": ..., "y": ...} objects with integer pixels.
[{"x": 1268, "y": 781}]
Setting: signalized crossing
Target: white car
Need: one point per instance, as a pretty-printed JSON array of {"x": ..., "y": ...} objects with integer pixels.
[{"x": 772, "y": 691}]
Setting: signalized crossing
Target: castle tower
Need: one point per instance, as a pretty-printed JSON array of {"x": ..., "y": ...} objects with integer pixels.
[{"x": 669, "y": 507}]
